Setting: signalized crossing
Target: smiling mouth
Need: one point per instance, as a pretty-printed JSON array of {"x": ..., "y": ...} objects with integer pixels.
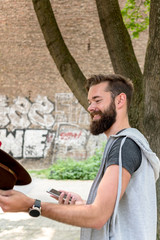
[{"x": 96, "y": 117}]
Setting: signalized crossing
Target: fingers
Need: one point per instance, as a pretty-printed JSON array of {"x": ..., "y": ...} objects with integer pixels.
[
  {"x": 60, "y": 200},
  {"x": 67, "y": 198},
  {"x": 73, "y": 201}
]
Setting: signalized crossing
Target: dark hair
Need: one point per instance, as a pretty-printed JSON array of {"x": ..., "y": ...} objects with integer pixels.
[{"x": 116, "y": 84}]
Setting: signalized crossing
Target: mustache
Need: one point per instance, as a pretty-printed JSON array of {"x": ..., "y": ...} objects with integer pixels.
[{"x": 92, "y": 114}]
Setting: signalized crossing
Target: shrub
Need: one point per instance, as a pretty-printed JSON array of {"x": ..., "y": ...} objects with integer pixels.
[{"x": 72, "y": 169}]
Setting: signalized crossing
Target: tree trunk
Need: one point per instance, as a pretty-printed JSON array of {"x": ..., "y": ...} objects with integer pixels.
[
  {"x": 121, "y": 53},
  {"x": 152, "y": 88},
  {"x": 65, "y": 63}
]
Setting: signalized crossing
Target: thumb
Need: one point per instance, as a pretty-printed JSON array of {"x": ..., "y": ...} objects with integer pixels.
[{"x": 6, "y": 192}]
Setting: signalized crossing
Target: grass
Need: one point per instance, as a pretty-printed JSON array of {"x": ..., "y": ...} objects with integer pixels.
[{"x": 72, "y": 169}]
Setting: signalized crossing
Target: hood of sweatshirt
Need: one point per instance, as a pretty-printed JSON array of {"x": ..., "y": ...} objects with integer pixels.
[{"x": 142, "y": 142}]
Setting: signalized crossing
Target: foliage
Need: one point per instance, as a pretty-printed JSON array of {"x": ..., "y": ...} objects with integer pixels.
[
  {"x": 136, "y": 16},
  {"x": 43, "y": 173},
  {"x": 71, "y": 169}
]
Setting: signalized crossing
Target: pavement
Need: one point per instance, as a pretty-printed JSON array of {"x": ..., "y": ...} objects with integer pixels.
[{"x": 20, "y": 226}]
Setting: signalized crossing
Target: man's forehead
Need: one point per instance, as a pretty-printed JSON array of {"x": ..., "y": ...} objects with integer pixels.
[
  {"x": 97, "y": 91},
  {"x": 98, "y": 88}
]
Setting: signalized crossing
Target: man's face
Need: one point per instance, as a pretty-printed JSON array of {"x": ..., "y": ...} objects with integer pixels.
[{"x": 102, "y": 109}]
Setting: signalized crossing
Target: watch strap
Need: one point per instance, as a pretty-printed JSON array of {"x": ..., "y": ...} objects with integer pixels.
[{"x": 37, "y": 203}]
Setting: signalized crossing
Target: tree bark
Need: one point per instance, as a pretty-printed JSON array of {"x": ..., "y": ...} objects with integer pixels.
[
  {"x": 121, "y": 53},
  {"x": 65, "y": 63},
  {"x": 152, "y": 88}
]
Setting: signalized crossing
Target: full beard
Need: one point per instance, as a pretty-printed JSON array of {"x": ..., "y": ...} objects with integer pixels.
[{"x": 108, "y": 118}]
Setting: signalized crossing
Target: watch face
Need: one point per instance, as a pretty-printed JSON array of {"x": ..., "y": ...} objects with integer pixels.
[{"x": 35, "y": 212}]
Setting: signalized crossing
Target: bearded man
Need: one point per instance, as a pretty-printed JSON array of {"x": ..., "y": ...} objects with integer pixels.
[{"x": 122, "y": 201}]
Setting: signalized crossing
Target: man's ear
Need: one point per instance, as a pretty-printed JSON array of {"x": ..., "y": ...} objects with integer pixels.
[{"x": 121, "y": 100}]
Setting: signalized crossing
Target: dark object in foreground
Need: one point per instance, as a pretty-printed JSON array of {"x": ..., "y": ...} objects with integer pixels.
[{"x": 11, "y": 172}]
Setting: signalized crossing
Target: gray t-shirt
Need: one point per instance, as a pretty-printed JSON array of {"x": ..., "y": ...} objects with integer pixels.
[{"x": 131, "y": 155}]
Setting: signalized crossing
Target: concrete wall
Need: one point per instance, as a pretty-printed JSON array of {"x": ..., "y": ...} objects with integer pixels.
[{"x": 41, "y": 120}]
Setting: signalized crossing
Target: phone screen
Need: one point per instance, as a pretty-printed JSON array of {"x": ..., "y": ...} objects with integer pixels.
[{"x": 56, "y": 193}]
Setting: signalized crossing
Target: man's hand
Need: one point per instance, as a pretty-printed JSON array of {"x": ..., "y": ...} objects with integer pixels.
[
  {"x": 75, "y": 198},
  {"x": 14, "y": 201}
]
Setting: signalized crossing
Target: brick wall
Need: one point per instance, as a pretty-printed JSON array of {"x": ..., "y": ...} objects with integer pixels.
[{"x": 41, "y": 120}]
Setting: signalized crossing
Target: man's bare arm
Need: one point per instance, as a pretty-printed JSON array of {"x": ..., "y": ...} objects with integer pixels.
[{"x": 94, "y": 215}]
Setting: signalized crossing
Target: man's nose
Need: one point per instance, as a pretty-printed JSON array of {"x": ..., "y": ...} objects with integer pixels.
[{"x": 91, "y": 107}]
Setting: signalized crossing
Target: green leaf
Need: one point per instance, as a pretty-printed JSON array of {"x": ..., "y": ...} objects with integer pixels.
[{"x": 136, "y": 16}]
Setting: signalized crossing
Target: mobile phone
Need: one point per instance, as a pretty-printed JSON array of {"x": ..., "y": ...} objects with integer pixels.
[{"x": 56, "y": 193}]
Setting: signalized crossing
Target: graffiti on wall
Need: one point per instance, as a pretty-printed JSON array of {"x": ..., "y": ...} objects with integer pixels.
[
  {"x": 22, "y": 113},
  {"x": 29, "y": 129},
  {"x": 27, "y": 143}
]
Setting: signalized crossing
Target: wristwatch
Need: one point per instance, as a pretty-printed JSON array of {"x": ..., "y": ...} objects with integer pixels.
[{"x": 35, "y": 210}]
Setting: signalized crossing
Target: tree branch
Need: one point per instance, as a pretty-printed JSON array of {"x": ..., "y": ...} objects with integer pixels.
[
  {"x": 121, "y": 52},
  {"x": 64, "y": 61}
]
